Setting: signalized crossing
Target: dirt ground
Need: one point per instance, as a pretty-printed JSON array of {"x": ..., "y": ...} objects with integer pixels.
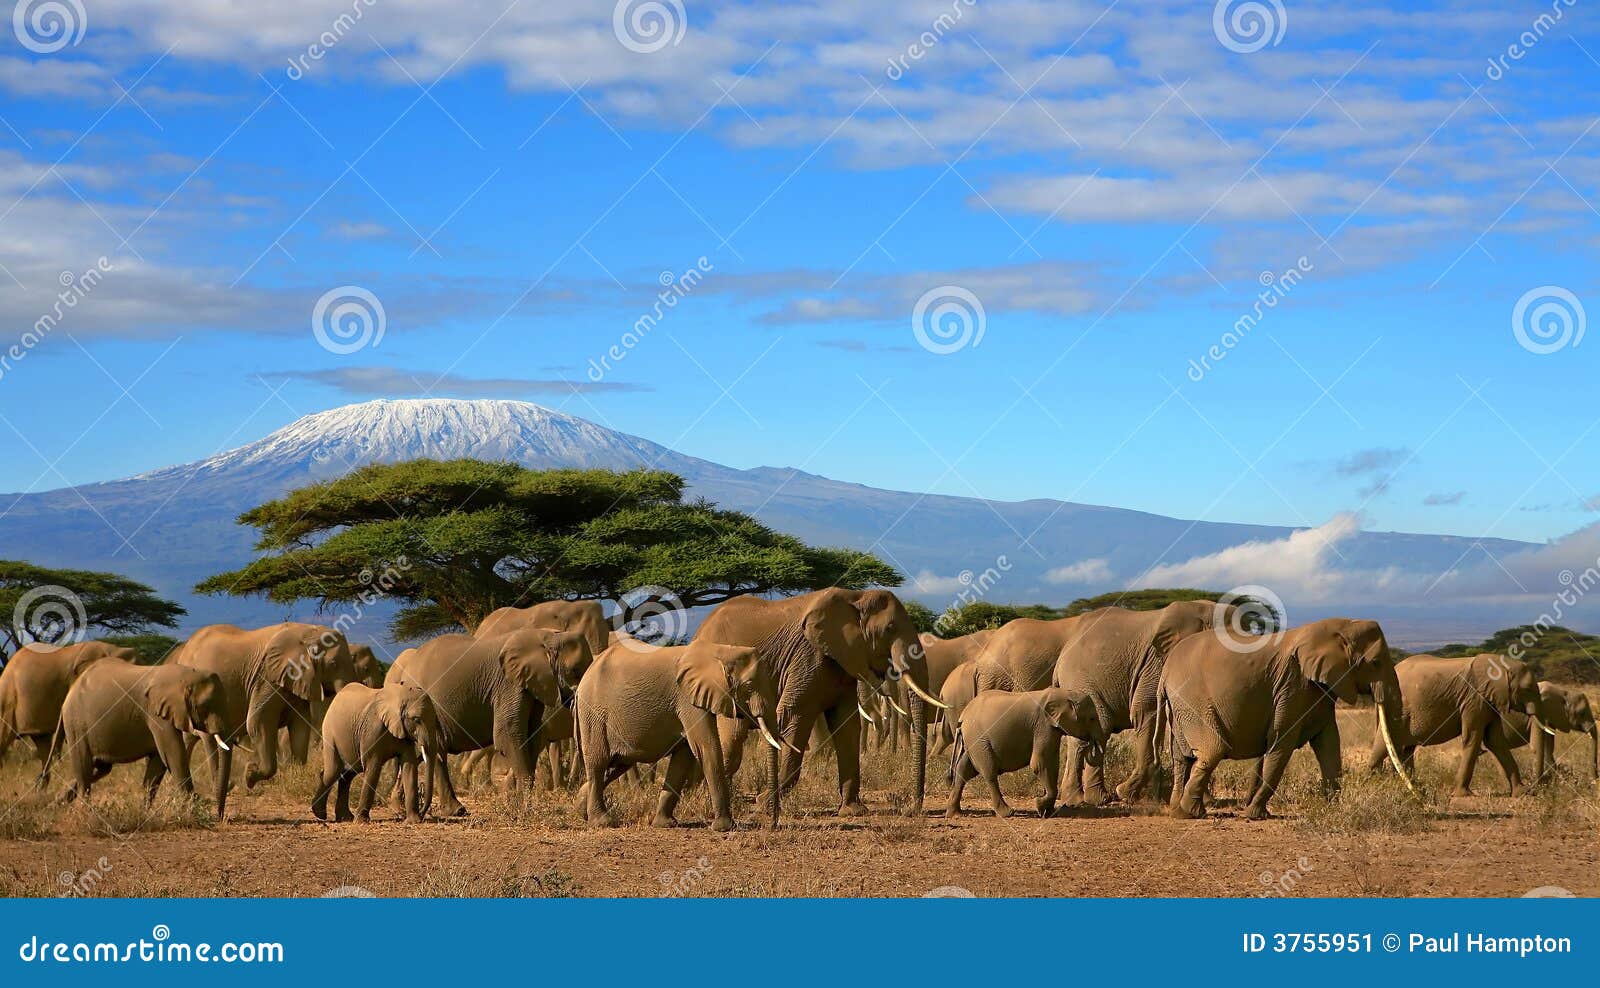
[{"x": 1372, "y": 840}]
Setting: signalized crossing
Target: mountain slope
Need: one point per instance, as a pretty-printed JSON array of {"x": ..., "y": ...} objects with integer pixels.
[{"x": 175, "y": 526}]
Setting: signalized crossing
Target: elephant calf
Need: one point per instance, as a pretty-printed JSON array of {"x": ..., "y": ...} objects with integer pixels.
[
  {"x": 118, "y": 712},
  {"x": 363, "y": 731},
  {"x": 963, "y": 683},
  {"x": 1559, "y": 711},
  {"x": 1002, "y": 732},
  {"x": 639, "y": 704}
]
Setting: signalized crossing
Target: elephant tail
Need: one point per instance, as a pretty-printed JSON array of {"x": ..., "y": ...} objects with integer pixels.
[
  {"x": 957, "y": 749},
  {"x": 1166, "y": 733},
  {"x": 8, "y": 716}
]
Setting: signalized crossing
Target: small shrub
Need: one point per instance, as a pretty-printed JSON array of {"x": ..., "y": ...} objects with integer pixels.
[
  {"x": 30, "y": 816},
  {"x": 1365, "y": 804}
]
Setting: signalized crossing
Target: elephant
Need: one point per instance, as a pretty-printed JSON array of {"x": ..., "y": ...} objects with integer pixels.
[
  {"x": 585, "y": 616},
  {"x": 1001, "y": 731},
  {"x": 364, "y": 730},
  {"x": 558, "y": 727},
  {"x": 818, "y": 646},
  {"x": 964, "y": 683},
  {"x": 270, "y": 678},
  {"x": 1224, "y": 700},
  {"x": 368, "y": 670},
  {"x": 1469, "y": 697},
  {"x": 495, "y": 691},
  {"x": 33, "y": 686},
  {"x": 1115, "y": 656},
  {"x": 637, "y": 706},
  {"x": 120, "y": 712},
  {"x": 1559, "y": 710},
  {"x": 944, "y": 656}
]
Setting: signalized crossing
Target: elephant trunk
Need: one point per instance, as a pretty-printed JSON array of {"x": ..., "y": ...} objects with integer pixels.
[
  {"x": 919, "y": 750},
  {"x": 772, "y": 785},
  {"x": 1386, "y": 697}
]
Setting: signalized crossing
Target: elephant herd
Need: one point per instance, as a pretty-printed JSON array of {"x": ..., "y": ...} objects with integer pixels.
[{"x": 779, "y": 674}]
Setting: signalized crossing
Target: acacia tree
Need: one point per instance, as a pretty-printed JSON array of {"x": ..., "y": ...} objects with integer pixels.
[
  {"x": 54, "y": 606},
  {"x": 453, "y": 540}
]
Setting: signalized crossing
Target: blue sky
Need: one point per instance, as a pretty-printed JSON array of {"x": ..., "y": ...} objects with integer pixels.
[{"x": 1111, "y": 184}]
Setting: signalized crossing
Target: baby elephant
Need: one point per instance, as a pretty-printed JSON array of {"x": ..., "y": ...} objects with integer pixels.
[
  {"x": 363, "y": 731},
  {"x": 120, "y": 712},
  {"x": 1002, "y": 732}
]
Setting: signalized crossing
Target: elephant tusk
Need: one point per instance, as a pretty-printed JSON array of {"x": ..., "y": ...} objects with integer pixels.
[
  {"x": 762, "y": 724},
  {"x": 221, "y": 743},
  {"x": 897, "y": 708},
  {"x": 423, "y": 750},
  {"x": 1394, "y": 753},
  {"x": 1545, "y": 729},
  {"x": 912, "y": 685},
  {"x": 864, "y": 715}
]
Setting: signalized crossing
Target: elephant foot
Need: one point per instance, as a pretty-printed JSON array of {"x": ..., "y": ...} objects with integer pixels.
[
  {"x": 722, "y": 824},
  {"x": 1097, "y": 797},
  {"x": 457, "y": 810},
  {"x": 343, "y": 817},
  {"x": 663, "y": 821},
  {"x": 1517, "y": 789},
  {"x": 1003, "y": 811},
  {"x": 1184, "y": 811},
  {"x": 1129, "y": 792},
  {"x": 854, "y": 807},
  {"x": 952, "y": 812},
  {"x": 1046, "y": 807},
  {"x": 413, "y": 817},
  {"x": 1254, "y": 812},
  {"x": 1072, "y": 799},
  {"x": 363, "y": 817},
  {"x": 320, "y": 812}
]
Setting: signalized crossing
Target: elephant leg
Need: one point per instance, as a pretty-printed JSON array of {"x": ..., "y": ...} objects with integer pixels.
[
  {"x": 82, "y": 765},
  {"x": 1072, "y": 794},
  {"x": 1048, "y": 760},
  {"x": 408, "y": 782},
  {"x": 1500, "y": 747},
  {"x": 983, "y": 760},
  {"x": 174, "y": 757},
  {"x": 341, "y": 799},
  {"x": 1189, "y": 802},
  {"x": 1142, "y": 778},
  {"x": 1253, "y": 786},
  {"x": 43, "y": 746},
  {"x": 1325, "y": 745},
  {"x": 705, "y": 748},
  {"x": 299, "y": 737},
  {"x": 262, "y": 724},
  {"x": 1272, "y": 767},
  {"x": 330, "y": 777},
  {"x": 1471, "y": 742},
  {"x": 1094, "y": 780},
  {"x": 679, "y": 767},
  {"x": 796, "y": 731},
  {"x": 961, "y": 773},
  {"x": 1377, "y": 756},
  {"x": 222, "y": 781},
  {"x": 553, "y": 757},
  {"x": 847, "y": 751},
  {"x": 154, "y": 770},
  {"x": 1543, "y": 764},
  {"x": 596, "y": 760},
  {"x": 449, "y": 804}
]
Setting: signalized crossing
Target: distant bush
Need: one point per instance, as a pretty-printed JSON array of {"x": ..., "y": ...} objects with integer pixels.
[{"x": 1556, "y": 653}]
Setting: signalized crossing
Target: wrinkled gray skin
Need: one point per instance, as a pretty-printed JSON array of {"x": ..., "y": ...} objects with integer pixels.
[
  {"x": 364, "y": 730},
  {"x": 1220, "y": 703},
  {"x": 1561, "y": 711},
  {"x": 639, "y": 704},
  {"x": 1115, "y": 656},
  {"x": 33, "y": 686},
  {"x": 964, "y": 683},
  {"x": 118, "y": 712},
  {"x": 558, "y": 727},
  {"x": 270, "y": 677},
  {"x": 944, "y": 655},
  {"x": 584, "y": 616},
  {"x": 1471, "y": 698},
  {"x": 494, "y": 691},
  {"x": 367, "y": 670},
  {"x": 818, "y": 646},
  {"x": 1002, "y": 732}
]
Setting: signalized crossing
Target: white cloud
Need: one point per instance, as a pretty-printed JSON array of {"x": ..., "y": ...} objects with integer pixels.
[
  {"x": 928, "y": 581},
  {"x": 1302, "y": 566},
  {"x": 1087, "y": 571}
]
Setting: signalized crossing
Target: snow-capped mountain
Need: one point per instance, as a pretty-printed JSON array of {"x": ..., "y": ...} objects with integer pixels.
[{"x": 174, "y": 526}]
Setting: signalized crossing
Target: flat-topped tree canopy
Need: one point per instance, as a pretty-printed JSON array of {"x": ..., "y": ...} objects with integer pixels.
[{"x": 454, "y": 540}]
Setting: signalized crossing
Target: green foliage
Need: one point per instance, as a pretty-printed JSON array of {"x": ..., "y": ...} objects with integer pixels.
[
  {"x": 150, "y": 648},
  {"x": 1556, "y": 653},
  {"x": 453, "y": 540},
  {"x": 981, "y": 615},
  {"x": 51, "y": 605}
]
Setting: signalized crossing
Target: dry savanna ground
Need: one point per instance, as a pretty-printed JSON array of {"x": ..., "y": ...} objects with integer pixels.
[{"x": 1373, "y": 839}]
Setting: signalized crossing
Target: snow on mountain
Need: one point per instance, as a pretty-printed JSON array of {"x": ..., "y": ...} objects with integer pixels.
[{"x": 174, "y": 526}]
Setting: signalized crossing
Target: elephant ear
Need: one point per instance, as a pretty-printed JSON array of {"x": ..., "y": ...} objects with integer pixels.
[
  {"x": 1327, "y": 657},
  {"x": 526, "y": 659},
  {"x": 1072, "y": 713},
  {"x": 167, "y": 697},
  {"x": 1502, "y": 687},
  {"x": 391, "y": 711},
  {"x": 705, "y": 676},
  {"x": 833, "y": 627},
  {"x": 288, "y": 666}
]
